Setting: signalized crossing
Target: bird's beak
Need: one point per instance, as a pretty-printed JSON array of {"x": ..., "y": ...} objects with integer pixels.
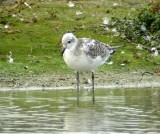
[{"x": 63, "y": 49}]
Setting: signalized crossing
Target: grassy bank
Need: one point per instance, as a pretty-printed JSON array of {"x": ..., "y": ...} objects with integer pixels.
[{"x": 34, "y": 36}]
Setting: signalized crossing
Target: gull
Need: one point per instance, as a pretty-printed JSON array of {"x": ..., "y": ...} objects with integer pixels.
[{"x": 84, "y": 55}]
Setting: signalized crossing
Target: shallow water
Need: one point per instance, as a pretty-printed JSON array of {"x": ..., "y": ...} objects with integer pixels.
[{"x": 115, "y": 111}]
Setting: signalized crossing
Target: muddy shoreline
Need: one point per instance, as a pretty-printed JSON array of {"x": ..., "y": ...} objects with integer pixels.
[{"x": 108, "y": 80}]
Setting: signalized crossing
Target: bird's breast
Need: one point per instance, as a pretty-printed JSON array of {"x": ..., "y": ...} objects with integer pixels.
[{"x": 81, "y": 62}]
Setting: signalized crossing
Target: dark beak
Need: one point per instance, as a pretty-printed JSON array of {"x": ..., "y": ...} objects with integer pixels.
[{"x": 63, "y": 49}]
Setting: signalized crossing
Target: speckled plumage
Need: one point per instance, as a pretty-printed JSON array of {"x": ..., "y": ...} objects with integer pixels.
[
  {"x": 84, "y": 54},
  {"x": 94, "y": 48}
]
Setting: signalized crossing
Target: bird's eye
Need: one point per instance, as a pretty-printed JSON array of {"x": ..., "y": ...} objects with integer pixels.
[{"x": 69, "y": 41}]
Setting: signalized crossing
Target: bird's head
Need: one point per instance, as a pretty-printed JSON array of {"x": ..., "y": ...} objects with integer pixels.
[{"x": 68, "y": 40}]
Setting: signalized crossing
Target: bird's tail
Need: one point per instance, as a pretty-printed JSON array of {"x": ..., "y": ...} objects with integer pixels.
[{"x": 114, "y": 49}]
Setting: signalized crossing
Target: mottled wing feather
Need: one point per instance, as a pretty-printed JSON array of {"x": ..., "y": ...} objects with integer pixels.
[{"x": 94, "y": 48}]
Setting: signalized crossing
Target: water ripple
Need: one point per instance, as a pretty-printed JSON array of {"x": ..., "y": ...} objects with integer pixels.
[{"x": 38, "y": 112}]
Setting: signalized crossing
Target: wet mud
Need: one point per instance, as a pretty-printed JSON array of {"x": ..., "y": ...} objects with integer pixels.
[{"x": 68, "y": 81}]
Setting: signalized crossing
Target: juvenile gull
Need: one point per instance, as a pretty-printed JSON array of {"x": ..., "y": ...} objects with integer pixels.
[{"x": 84, "y": 55}]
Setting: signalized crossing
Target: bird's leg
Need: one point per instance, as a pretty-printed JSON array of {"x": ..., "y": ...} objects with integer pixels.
[
  {"x": 93, "y": 98},
  {"x": 77, "y": 87}
]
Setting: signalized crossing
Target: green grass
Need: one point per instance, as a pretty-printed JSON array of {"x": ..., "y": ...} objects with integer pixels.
[{"x": 37, "y": 44}]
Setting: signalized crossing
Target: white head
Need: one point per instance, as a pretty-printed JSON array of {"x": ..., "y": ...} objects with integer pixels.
[{"x": 68, "y": 40}]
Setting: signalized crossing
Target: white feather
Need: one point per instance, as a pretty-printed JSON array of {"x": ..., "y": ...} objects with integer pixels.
[{"x": 84, "y": 54}]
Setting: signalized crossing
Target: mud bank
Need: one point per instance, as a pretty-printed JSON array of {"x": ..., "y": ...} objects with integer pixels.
[{"x": 107, "y": 80}]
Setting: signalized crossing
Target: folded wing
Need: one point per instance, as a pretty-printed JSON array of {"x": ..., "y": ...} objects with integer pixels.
[{"x": 94, "y": 48}]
